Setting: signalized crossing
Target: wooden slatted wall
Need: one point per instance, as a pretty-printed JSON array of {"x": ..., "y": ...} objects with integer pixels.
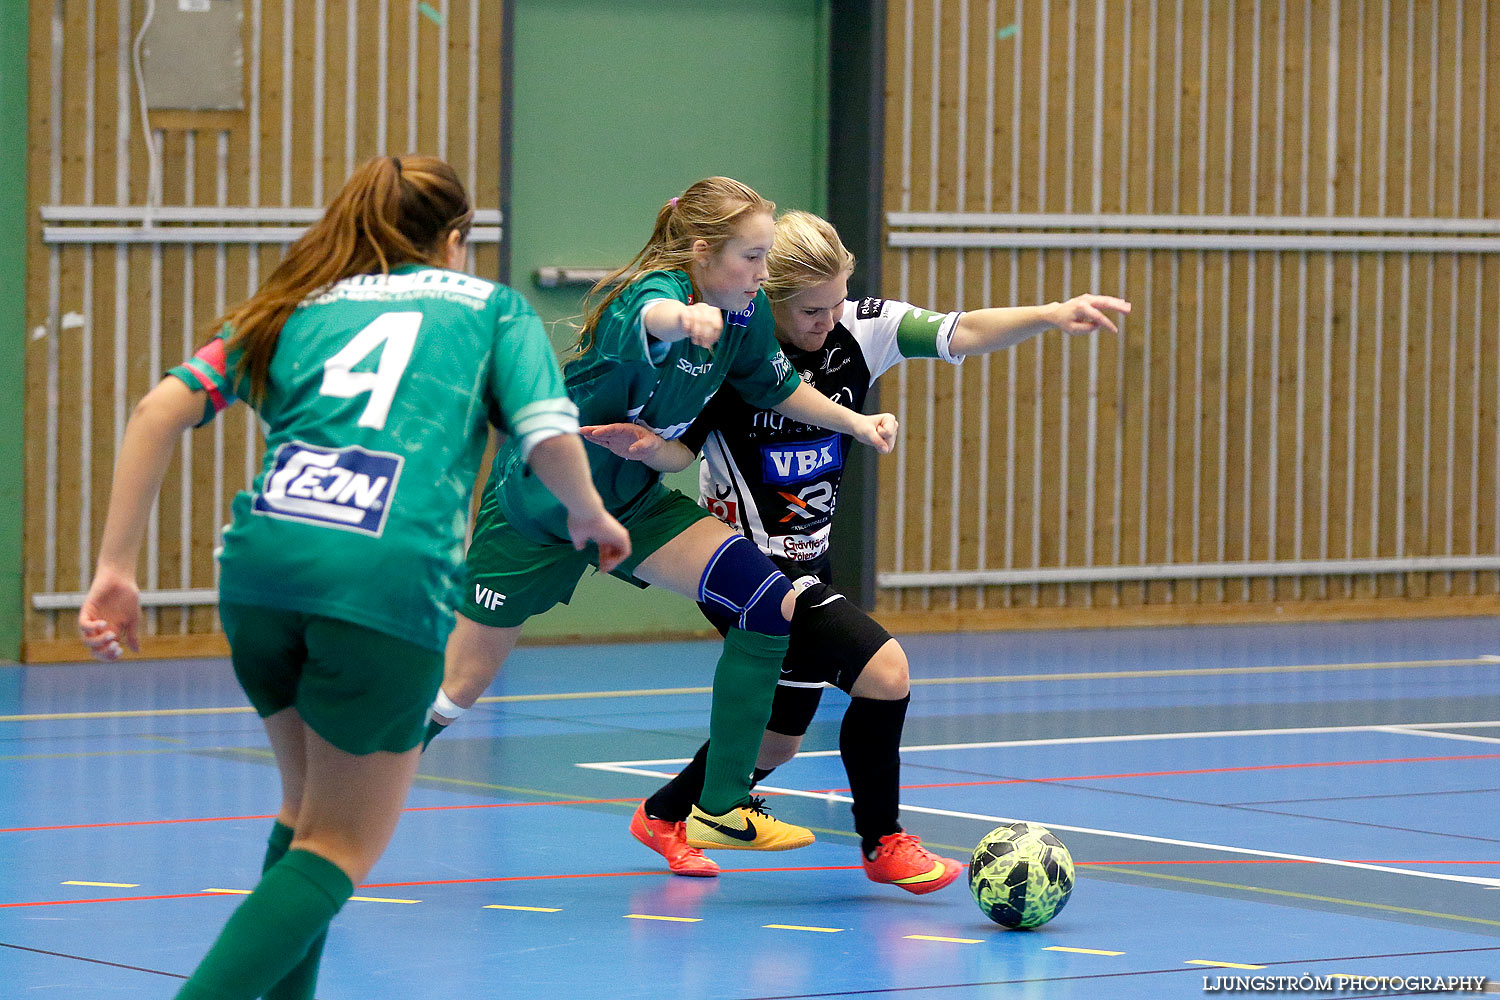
[
  {"x": 327, "y": 85},
  {"x": 1258, "y": 406}
]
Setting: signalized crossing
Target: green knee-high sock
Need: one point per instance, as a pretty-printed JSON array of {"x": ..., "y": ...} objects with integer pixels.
[
  {"x": 744, "y": 683},
  {"x": 300, "y": 983},
  {"x": 272, "y": 929},
  {"x": 277, "y": 845}
]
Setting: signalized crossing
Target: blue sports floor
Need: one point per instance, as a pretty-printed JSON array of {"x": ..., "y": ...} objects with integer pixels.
[{"x": 1284, "y": 800}]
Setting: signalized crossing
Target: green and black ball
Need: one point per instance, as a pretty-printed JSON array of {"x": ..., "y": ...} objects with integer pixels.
[{"x": 1021, "y": 875}]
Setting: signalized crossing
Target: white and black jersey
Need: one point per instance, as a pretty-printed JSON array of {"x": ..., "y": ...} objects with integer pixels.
[{"x": 777, "y": 480}]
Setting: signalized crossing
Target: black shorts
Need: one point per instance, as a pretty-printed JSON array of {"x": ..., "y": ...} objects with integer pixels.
[{"x": 831, "y": 641}]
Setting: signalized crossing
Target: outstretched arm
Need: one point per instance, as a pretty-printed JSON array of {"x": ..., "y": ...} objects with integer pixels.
[
  {"x": 640, "y": 444},
  {"x": 668, "y": 320},
  {"x": 812, "y": 407},
  {"x": 111, "y": 611},
  {"x": 981, "y": 331}
]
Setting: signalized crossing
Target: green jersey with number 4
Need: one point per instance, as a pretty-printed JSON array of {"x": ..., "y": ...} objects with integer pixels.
[
  {"x": 375, "y": 414},
  {"x": 629, "y": 376}
]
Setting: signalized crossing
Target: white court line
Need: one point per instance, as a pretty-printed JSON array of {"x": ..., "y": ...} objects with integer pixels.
[
  {"x": 1129, "y": 738},
  {"x": 636, "y": 768},
  {"x": 1409, "y": 731}
]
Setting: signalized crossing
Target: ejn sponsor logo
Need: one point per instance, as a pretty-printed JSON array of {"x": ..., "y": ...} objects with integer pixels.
[{"x": 346, "y": 488}]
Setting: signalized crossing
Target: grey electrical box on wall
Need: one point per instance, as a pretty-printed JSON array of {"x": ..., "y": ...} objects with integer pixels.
[{"x": 193, "y": 56}]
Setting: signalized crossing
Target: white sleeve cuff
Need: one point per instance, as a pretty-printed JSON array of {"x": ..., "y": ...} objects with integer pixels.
[
  {"x": 656, "y": 350},
  {"x": 545, "y": 418}
]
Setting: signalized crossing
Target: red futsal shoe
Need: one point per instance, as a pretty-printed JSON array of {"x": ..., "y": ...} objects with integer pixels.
[
  {"x": 903, "y": 861},
  {"x": 670, "y": 841}
]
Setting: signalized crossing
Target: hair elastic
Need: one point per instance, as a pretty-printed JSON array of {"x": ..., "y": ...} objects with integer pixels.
[
  {"x": 673, "y": 203},
  {"x": 397, "y": 161}
]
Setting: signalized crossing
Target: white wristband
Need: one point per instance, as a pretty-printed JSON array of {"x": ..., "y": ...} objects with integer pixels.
[{"x": 444, "y": 707}]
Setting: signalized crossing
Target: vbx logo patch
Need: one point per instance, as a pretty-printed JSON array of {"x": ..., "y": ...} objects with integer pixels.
[
  {"x": 792, "y": 463},
  {"x": 740, "y": 318},
  {"x": 346, "y": 488}
]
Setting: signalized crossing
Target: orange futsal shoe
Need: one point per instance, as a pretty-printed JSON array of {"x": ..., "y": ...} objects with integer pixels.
[
  {"x": 902, "y": 860},
  {"x": 669, "y": 840}
]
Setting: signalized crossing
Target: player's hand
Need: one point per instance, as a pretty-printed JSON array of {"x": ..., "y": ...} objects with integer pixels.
[
  {"x": 605, "y": 532},
  {"x": 701, "y": 323},
  {"x": 878, "y": 430},
  {"x": 110, "y": 614},
  {"x": 1083, "y": 314},
  {"x": 630, "y": 441}
]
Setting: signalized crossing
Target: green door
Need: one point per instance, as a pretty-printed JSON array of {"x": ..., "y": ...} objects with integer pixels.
[{"x": 617, "y": 106}]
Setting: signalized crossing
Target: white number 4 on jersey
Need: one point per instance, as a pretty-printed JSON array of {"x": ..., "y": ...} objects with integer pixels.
[{"x": 398, "y": 332}]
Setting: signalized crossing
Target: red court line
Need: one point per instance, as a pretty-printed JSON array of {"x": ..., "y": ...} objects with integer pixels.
[
  {"x": 111, "y": 899},
  {"x": 543, "y": 878},
  {"x": 1168, "y": 774},
  {"x": 229, "y": 819}
]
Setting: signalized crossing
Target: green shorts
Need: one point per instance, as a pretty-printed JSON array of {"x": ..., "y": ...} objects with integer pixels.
[
  {"x": 508, "y": 577},
  {"x": 359, "y": 689}
]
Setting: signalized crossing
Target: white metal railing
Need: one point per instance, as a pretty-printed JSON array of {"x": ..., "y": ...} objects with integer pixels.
[
  {"x": 1233, "y": 223},
  {"x": 195, "y": 224},
  {"x": 1186, "y": 571},
  {"x": 183, "y": 597}
]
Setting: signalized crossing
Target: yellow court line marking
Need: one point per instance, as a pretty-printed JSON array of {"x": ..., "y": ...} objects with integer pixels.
[
  {"x": 230, "y": 892},
  {"x": 660, "y": 692},
  {"x": 380, "y": 899},
  {"x": 799, "y": 927},
  {"x": 1221, "y": 965},
  {"x": 652, "y": 916},
  {"x": 528, "y": 909},
  {"x": 1309, "y": 896},
  {"x": 928, "y": 937},
  {"x": 1082, "y": 951},
  {"x": 106, "y": 885}
]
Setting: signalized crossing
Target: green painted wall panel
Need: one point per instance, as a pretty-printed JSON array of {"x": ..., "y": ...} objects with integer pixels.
[
  {"x": 619, "y": 105},
  {"x": 13, "y": 97}
]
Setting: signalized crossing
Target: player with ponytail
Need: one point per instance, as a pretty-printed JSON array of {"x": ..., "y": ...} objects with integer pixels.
[{"x": 375, "y": 365}]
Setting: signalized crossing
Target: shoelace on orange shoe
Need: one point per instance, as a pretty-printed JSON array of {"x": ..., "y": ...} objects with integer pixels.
[{"x": 907, "y": 847}]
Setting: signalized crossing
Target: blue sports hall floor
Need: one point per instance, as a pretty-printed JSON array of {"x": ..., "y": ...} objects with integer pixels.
[{"x": 1298, "y": 800}]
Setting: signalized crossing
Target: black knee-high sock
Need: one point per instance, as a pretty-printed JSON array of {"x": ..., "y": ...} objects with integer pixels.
[
  {"x": 674, "y": 800},
  {"x": 870, "y": 745}
]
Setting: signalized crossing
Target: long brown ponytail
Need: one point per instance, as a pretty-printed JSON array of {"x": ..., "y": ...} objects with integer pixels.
[
  {"x": 709, "y": 210},
  {"x": 390, "y": 212}
]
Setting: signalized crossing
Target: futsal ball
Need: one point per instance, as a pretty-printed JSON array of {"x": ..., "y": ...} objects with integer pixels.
[{"x": 1021, "y": 875}]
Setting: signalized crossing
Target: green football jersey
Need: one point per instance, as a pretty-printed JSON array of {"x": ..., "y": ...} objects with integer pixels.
[
  {"x": 375, "y": 415},
  {"x": 627, "y": 376}
]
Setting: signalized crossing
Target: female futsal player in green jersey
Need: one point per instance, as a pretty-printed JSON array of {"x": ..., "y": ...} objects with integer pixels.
[
  {"x": 686, "y": 316},
  {"x": 375, "y": 366},
  {"x": 777, "y": 482}
]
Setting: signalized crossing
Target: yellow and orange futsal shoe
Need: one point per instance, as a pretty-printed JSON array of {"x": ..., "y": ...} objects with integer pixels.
[
  {"x": 746, "y": 828},
  {"x": 902, "y": 860},
  {"x": 668, "y": 840}
]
